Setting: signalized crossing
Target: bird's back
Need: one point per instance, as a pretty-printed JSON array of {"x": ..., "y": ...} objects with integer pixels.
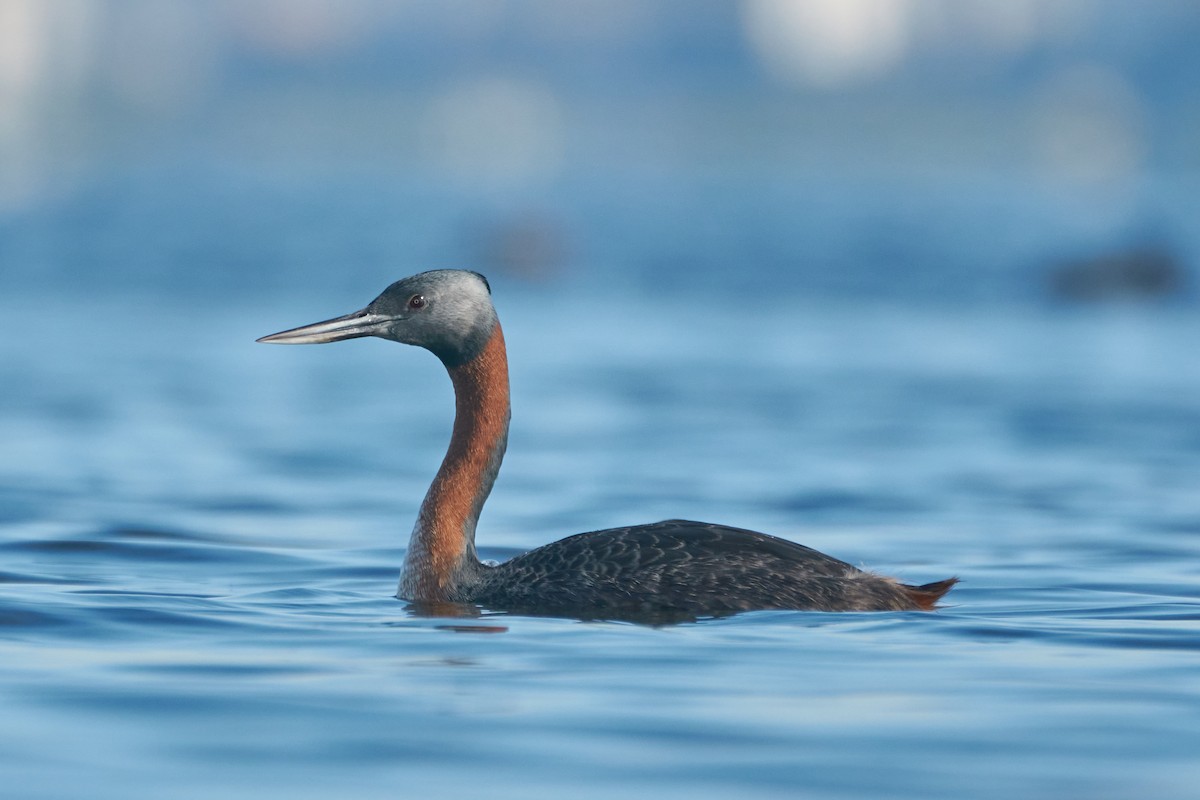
[{"x": 679, "y": 569}]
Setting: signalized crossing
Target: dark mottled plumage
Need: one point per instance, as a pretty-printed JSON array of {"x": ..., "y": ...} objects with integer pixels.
[
  {"x": 664, "y": 572},
  {"x": 679, "y": 569}
]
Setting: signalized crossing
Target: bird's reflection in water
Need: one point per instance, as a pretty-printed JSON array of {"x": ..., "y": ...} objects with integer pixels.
[
  {"x": 650, "y": 616},
  {"x": 437, "y": 608}
]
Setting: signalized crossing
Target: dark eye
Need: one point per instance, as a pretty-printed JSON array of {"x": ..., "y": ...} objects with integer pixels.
[{"x": 416, "y": 301}]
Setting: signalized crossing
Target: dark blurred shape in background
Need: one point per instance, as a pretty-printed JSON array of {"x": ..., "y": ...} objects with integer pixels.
[
  {"x": 848, "y": 147},
  {"x": 1143, "y": 273},
  {"x": 528, "y": 245}
]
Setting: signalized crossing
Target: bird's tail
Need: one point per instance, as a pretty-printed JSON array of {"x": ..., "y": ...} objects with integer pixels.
[{"x": 927, "y": 595}]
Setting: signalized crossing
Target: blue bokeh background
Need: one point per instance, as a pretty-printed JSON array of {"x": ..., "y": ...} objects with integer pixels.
[{"x": 891, "y": 148}]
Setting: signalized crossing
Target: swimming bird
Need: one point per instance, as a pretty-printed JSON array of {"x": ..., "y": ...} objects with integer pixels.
[{"x": 663, "y": 571}]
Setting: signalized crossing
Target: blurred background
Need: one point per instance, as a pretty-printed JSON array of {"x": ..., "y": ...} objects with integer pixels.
[{"x": 989, "y": 151}]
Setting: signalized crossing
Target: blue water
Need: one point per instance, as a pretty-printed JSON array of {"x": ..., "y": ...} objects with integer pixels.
[{"x": 200, "y": 539}]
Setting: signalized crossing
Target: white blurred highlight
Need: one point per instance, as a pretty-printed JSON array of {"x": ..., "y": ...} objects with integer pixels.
[
  {"x": 303, "y": 27},
  {"x": 21, "y": 56},
  {"x": 162, "y": 57},
  {"x": 47, "y": 48},
  {"x": 1089, "y": 127},
  {"x": 496, "y": 131},
  {"x": 829, "y": 44},
  {"x": 826, "y": 43}
]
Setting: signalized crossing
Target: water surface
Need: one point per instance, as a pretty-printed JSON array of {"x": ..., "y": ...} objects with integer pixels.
[{"x": 201, "y": 537}]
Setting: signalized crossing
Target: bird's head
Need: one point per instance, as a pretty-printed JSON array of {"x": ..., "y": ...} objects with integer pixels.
[{"x": 447, "y": 311}]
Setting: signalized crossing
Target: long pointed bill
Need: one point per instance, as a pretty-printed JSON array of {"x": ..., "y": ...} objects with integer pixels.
[{"x": 351, "y": 326}]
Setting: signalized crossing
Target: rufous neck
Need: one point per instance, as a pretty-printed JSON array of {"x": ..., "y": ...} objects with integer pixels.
[{"x": 442, "y": 551}]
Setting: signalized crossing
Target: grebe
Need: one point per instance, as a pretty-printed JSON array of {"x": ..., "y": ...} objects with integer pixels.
[{"x": 672, "y": 570}]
